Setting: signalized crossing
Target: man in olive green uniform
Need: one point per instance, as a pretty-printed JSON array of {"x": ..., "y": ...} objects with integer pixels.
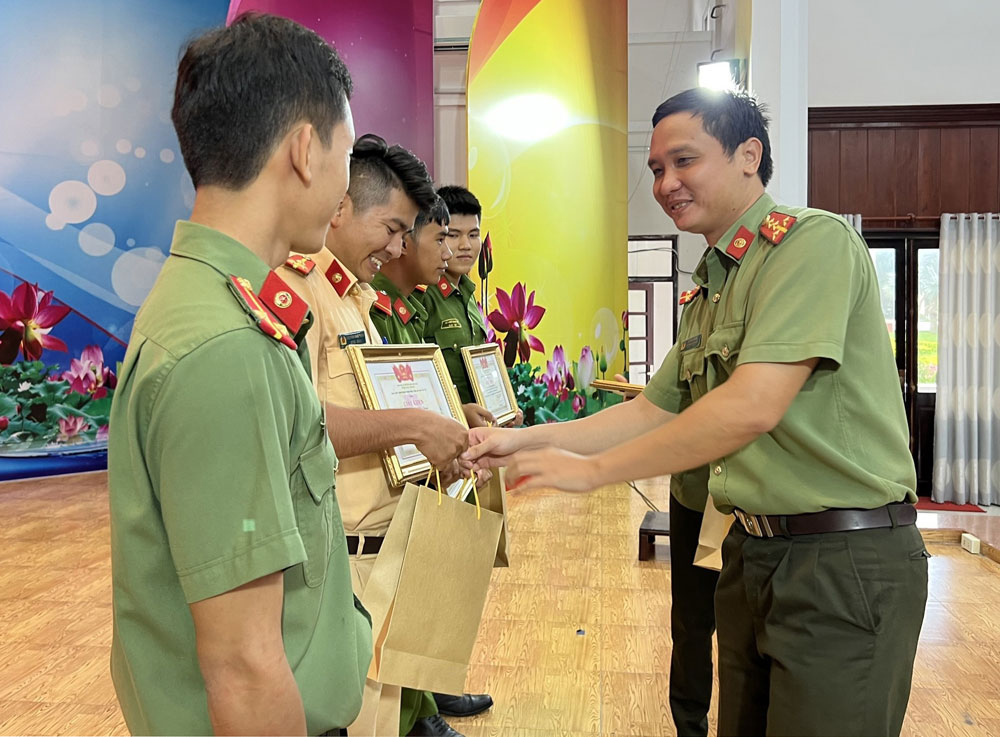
[
  {"x": 783, "y": 382},
  {"x": 454, "y": 320},
  {"x": 232, "y": 601}
]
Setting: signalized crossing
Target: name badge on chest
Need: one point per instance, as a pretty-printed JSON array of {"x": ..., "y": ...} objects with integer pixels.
[{"x": 356, "y": 338}]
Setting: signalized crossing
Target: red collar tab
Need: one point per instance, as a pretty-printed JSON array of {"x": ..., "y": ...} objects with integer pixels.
[
  {"x": 776, "y": 226},
  {"x": 383, "y": 303},
  {"x": 267, "y": 322},
  {"x": 405, "y": 313},
  {"x": 740, "y": 243},
  {"x": 445, "y": 286},
  {"x": 285, "y": 304},
  {"x": 302, "y": 264},
  {"x": 420, "y": 288},
  {"x": 338, "y": 278},
  {"x": 688, "y": 295}
]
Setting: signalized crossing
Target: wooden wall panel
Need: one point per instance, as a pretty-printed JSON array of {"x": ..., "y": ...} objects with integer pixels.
[
  {"x": 881, "y": 174},
  {"x": 905, "y": 170},
  {"x": 895, "y": 163},
  {"x": 954, "y": 170},
  {"x": 854, "y": 171},
  {"x": 824, "y": 170},
  {"x": 929, "y": 171},
  {"x": 984, "y": 180}
]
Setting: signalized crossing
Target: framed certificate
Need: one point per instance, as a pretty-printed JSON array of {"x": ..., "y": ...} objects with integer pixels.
[
  {"x": 628, "y": 390},
  {"x": 490, "y": 382},
  {"x": 405, "y": 377}
]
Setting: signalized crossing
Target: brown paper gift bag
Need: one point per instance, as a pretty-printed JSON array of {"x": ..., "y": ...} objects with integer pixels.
[
  {"x": 493, "y": 497},
  {"x": 427, "y": 590},
  {"x": 714, "y": 528}
]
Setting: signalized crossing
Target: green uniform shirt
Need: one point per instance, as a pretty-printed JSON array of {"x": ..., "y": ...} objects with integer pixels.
[
  {"x": 843, "y": 443},
  {"x": 400, "y": 320},
  {"x": 453, "y": 322},
  {"x": 221, "y": 472}
]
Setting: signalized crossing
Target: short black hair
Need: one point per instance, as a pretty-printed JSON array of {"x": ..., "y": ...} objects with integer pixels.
[
  {"x": 378, "y": 168},
  {"x": 729, "y": 117},
  {"x": 460, "y": 201},
  {"x": 241, "y": 89},
  {"x": 436, "y": 213}
]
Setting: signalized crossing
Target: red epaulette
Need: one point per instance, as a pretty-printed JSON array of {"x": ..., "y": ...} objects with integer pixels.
[
  {"x": 776, "y": 226},
  {"x": 269, "y": 324},
  {"x": 383, "y": 303},
  {"x": 688, "y": 295},
  {"x": 445, "y": 286},
  {"x": 403, "y": 311},
  {"x": 740, "y": 243},
  {"x": 421, "y": 288},
  {"x": 302, "y": 264}
]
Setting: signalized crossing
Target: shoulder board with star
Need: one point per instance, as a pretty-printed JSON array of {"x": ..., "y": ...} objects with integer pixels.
[
  {"x": 776, "y": 226},
  {"x": 688, "y": 295},
  {"x": 383, "y": 303},
  {"x": 265, "y": 320},
  {"x": 421, "y": 288},
  {"x": 302, "y": 264}
]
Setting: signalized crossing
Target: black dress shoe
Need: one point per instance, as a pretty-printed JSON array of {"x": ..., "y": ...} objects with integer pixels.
[
  {"x": 434, "y": 726},
  {"x": 466, "y": 705}
]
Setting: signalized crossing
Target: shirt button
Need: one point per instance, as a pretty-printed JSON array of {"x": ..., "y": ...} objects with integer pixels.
[
  {"x": 717, "y": 470},
  {"x": 725, "y": 351},
  {"x": 716, "y": 297}
]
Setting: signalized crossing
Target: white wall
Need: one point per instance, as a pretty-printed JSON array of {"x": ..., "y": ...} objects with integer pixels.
[{"x": 903, "y": 52}]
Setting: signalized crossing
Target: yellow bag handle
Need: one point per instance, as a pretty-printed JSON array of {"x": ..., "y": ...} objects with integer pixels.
[{"x": 461, "y": 492}]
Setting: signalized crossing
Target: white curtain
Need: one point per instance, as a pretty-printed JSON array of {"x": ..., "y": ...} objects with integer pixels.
[
  {"x": 967, "y": 412},
  {"x": 854, "y": 220}
]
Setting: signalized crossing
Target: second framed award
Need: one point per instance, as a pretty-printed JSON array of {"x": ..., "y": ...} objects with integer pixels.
[{"x": 490, "y": 382}]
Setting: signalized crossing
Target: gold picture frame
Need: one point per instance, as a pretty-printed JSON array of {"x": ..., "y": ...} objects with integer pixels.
[
  {"x": 489, "y": 380},
  {"x": 405, "y": 377},
  {"x": 619, "y": 387}
]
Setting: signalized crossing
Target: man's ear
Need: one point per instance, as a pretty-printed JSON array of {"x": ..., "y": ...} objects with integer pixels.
[
  {"x": 300, "y": 152},
  {"x": 344, "y": 212},
  {"x": 750, "y": 152}
]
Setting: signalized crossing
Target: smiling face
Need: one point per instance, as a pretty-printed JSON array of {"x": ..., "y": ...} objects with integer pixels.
[
  {"x": 465, "y": 243},
  {"x": 697, "y": 184},
  {"x": 365, "y": 241}
]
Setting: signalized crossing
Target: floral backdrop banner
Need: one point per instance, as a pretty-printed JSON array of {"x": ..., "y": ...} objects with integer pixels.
[
  {"x": 91, "y": 183},
  {"x": 547, "y": 159}
]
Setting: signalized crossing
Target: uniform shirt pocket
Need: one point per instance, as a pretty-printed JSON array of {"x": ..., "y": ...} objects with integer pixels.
[
  {"x": 723, "y": 347},
  {"x": 316, "y": 511}
]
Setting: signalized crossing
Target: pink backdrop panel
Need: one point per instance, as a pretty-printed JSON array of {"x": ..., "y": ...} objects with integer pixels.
[{"x": 389, "y": 47}]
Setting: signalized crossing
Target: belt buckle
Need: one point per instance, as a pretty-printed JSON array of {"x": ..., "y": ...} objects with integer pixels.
[{"x": 756, "y": 524}]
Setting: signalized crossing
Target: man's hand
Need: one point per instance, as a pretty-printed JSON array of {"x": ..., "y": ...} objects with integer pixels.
[
  {"x": 451, "y": 473},
  {"x": 442, "y": 439},
  {"x": 552, "y": 468},
  {"x": 483, "y": 477},
  {"x": 491, "y": 447},
  {"x": 518, "y": 420},
  {"x": 478, "y": 416}
]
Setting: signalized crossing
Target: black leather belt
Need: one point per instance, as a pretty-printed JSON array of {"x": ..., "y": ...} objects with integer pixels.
[
  {"x": 372, "y": 545},
  {"x": 830, "y": 520}
]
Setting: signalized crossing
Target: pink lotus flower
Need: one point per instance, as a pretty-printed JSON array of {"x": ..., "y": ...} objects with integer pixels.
[
  {"x": 88, "y": 375},
  {"x": 585, "y": 371},
  {"x": 625, "y": 320},
  {"x": 4, "y": 423},
  {"x": 102, "y": 432},
  {"x": 26, "y": 318},
  {"x": 578, "y": 403},
  {"x": 557, "y": 377},
  {"x": 70, "y": 427},
  {"x": 515, "y": 317}
]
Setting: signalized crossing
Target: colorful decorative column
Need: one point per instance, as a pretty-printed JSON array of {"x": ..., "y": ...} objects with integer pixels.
[{"x": 547, "y": 107}]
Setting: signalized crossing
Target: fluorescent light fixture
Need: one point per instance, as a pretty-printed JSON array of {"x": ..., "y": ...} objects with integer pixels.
[
  {"x": 719, "y": 75},
  {"x": 528, "y": 118}
]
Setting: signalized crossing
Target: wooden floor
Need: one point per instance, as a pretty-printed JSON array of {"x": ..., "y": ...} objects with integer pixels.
[{"x": 574, "y": 639}]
